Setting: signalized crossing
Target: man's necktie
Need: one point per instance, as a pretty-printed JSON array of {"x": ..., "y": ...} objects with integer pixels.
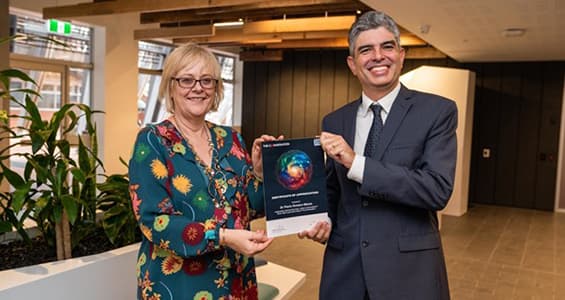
[{"x": 375, "y": 132}]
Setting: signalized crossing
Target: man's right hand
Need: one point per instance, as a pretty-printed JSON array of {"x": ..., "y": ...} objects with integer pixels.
[{"x": 320, "y": 232}]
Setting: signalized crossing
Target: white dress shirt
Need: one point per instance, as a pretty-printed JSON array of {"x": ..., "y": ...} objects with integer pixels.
[{"x": 363, "y": 124}]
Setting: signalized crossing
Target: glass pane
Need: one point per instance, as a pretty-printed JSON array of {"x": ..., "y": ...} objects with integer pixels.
[
  {"x": 223, "y": 115},
  {"x": 227, "y": 63},
  {"x": 151, "y": 56},
  {"x": 149, "y": 108},
  {"x": 79, "y": 91}
]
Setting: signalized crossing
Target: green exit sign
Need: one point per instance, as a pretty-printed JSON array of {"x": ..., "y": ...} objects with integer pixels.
[{"x": 57, "y": 26}]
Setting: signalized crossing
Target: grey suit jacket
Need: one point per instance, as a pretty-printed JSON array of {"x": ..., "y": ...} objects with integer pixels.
[{"x": 385, "y": 237}]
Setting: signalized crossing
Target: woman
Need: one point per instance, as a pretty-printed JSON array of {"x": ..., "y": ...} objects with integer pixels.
[{"x": 194, "y": 190}]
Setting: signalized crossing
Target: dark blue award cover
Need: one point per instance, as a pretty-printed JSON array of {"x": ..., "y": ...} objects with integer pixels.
[{"x": 294, "y": 183}]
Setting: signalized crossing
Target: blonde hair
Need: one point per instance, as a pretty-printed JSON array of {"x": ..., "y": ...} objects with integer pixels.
[{"x": 189, "y": 55}]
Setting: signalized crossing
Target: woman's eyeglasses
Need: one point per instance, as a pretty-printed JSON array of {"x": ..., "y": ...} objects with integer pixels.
[{"x": 188, "y": 82}]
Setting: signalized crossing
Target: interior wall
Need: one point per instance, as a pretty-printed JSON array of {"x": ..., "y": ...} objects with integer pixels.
[
  {"x": 560, "y": 191},
  {"x": 115, "y": 86},
  {"x": 459, "y": 86},
  {"x": 516, "y": 134}
]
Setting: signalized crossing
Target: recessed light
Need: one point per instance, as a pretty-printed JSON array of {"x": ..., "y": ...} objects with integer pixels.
[{"x": 229, "y": 24}]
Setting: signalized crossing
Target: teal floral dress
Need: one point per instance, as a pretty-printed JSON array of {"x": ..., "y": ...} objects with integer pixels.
[{"x": 181, "y": 205}]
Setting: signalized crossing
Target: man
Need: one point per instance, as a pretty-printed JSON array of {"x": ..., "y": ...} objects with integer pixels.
[{"x": 385, "y": 179}]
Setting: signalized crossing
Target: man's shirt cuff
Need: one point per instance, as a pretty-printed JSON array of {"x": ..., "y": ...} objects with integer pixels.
[{"x": 355, "y": 173}]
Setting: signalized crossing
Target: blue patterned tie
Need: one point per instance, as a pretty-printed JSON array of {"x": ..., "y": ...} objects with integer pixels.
[{"x": 375, "y": 132}]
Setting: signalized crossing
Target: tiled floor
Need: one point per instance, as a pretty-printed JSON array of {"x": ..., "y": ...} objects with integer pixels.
[{"x": 491, "y": 252}]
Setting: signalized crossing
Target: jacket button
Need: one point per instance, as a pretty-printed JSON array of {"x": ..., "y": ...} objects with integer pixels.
[
  {"x": 365, "y": 203},
  {"x": 365, "y": 244}
]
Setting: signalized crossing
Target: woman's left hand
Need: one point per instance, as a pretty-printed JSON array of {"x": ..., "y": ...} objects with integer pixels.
[
  {"x": 244, "y": 241},
  {"x": 256, "y": 156}
]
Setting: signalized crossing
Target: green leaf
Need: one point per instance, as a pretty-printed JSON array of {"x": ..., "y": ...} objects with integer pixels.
[
  {"x": 14, "y": 73},
  {"x": 65, "y": 147},
  {"x": 5, "y": 227},
  {"x": 33, "y": 111},
  {"x": 37, "y": 140},
  {"x": 20, "y": 195},
  {"x": 25, "y": 91},
  {"x": 40, "y": 204},
  {"x": 60, "y": 179},
  {"x": 78, "y": 174},
  {"x": 70, "y": 204},
  {"x": 83, "y": 158},
  {"x": 43, "y": 175},
  {"x": 59, "y": 116},
  {"x": 74, "y": 120},
  {"x": 13, "y": 178}
]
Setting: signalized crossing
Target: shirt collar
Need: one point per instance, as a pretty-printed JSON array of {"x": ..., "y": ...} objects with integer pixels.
[{"x": 385, "y": 102}]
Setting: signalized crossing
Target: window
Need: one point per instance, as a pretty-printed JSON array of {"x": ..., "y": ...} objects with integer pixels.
[
  {"x": 52, "y": 66},
  {"x": 150, "y": 62},
  {"x": 224, "y": 114}
]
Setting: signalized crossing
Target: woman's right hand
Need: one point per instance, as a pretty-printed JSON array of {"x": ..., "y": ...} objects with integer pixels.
[{"x": 245, "y": 242}]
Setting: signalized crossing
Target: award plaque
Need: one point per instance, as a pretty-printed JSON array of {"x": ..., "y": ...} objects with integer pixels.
[{"x": 294, "y": 183}]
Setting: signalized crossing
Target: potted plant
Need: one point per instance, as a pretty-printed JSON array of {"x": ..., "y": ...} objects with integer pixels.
[{"x": 58, "y": 191}]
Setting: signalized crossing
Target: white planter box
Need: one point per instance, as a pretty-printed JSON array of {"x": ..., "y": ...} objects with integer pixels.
[{"x": 108, "y": 275}]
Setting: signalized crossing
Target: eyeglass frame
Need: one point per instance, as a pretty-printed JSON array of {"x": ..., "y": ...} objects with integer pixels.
[{"x": 199, "y": 81}]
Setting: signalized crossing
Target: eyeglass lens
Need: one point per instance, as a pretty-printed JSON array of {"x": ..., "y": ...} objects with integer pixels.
[{"x": 187, "y": 82}]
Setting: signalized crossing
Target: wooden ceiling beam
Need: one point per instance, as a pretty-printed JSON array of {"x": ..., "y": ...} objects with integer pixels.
[
  {"x": 299, "y": 25},
  {"x": 410, "y": 40},
  {"x": 236, "y": 35},
  {"x": 303, "y": 44},
  {"x": 263, "y": 10},
  {"x": 261, "y": 55},
  {"x": 125, "y": 6},
  {"x": 423, "y": 53},
  {"x": 173, "y": 32}
]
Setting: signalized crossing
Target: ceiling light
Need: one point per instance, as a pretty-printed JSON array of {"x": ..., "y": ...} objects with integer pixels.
[
  {"x": 513, "y": 32},
  {"x": 229, "y": 24},
  {"x": 425, "y": 28}
]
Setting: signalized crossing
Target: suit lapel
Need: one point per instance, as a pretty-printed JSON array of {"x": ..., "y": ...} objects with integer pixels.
[
  {"x": 349, "y": 122},
  {"x": 398, "y": 111}
]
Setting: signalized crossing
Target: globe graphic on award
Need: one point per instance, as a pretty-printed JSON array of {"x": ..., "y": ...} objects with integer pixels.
[{"x": 294, "y": 169}]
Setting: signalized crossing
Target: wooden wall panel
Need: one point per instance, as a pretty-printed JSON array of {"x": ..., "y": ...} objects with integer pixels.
[
  {"x": 341, "y": 81},
  {"x": 327, "y": 84},
  {"x": 260, "y": 98},
  {"x": 549, "y": 129},
  {"x": 486, "y": 134},
  {"x": 248, "y": 103},
  {"x": 507, "y": 139},
  {"x": 298, "y": 97},
  {"x": 285, "y": 116},
  {"x": 291, "y": 97},
  {"x": 312, "y": 103},
  {"x": 528, "y": 129},
  {"x": 273, "y": 98}
]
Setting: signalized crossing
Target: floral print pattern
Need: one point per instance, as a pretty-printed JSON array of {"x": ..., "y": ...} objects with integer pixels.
[{"x": 173, "y": 201}]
